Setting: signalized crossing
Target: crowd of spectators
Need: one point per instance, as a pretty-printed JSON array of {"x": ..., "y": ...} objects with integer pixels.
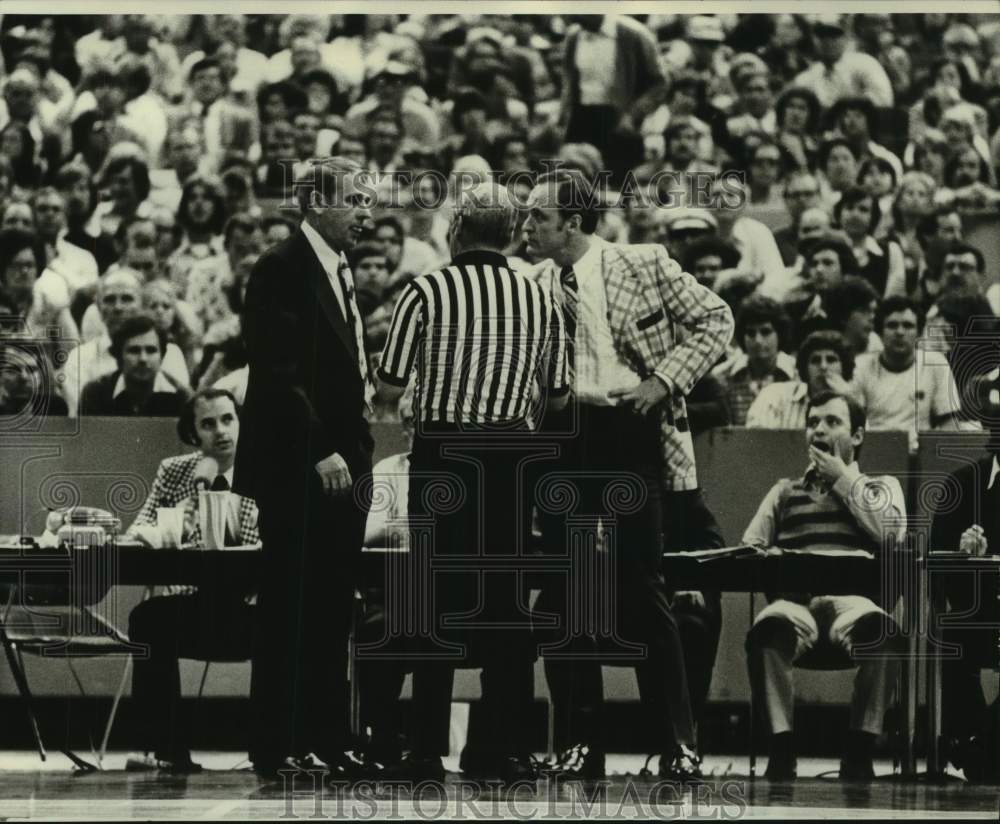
[{"x": 825, "y": 174}]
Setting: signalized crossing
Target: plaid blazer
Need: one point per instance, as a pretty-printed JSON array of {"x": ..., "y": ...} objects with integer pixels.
[
  {"x": 663, "y": 323},
  {"x": 174, "y": 486}
]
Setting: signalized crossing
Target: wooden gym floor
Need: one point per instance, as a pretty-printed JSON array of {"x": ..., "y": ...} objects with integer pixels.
[{"x": 30, "y": 789}]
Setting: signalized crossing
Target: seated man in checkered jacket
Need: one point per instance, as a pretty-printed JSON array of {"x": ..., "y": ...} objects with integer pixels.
[{"x": 213, "y": 625}]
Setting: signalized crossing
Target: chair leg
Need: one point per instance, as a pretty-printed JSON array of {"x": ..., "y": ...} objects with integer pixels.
[
  {"x": 751, "y": 729},
  {"x": 126, "y": 670},
  {"x": 17, "y": 670},
  {"x": 83, "y": 693},
  {"x": 85, "y": 766},
  {"x": 204, "y": 675}
]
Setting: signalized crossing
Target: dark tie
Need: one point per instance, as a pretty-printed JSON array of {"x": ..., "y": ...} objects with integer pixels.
[
  {"x": 354, "y": 322},
  {"x": 220, "y": 484},
  {"x": 571, "y": 302}
]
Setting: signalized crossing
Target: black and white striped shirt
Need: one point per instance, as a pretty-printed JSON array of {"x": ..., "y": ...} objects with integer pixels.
[{"x": 484, "y": 341}]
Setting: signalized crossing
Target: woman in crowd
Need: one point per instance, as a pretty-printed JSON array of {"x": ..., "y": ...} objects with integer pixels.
[
  {"x": 877, "y": 176},
  {"x": 18, "y": 146},
  {"x": 174, "y": 318},
  {"x": 879, "y": 262},
  {"x": 911, "y": 207},
  {"x": 200, "y": 216},
  {"x": 837, "y": 169},
  {"x": 798, "y": 116},
  {"x": 929, "y": 154},
  {"x": 767, "y": 164},
  {"x": 33, "y": 299}
]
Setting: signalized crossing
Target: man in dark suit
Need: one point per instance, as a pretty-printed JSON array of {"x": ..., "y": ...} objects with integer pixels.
[
  {"x": 971, "y": 524},
  {"x": 306, "y": 441}
]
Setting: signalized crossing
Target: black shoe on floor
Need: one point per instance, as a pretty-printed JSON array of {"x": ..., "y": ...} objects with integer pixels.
[
  {"x": 515, "y": 768},
  {"x": 351, "y": 765},
  {"x": 781, "y": 763},
  {"x": 683, "y": 766},
  {"x": 416, "y": 768},
  {"x": 581, "y": 762},
  {"x": 283, "y": 768},
  {"x": 857, "y": 763}
]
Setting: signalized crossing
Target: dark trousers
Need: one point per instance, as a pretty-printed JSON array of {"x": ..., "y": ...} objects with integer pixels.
[
  {"x": 466, "y": 499},
  {"x": 598, "y": 126},
  {"x": 310, "y": 555},
  {"x": 382, "y": 666},
  {"x": 688, "y": 524},
  {"x": 964, "y": 709},
  {"x": 963, "y": 705},
  {"x": 205, "y": 627},
  {"x": 613, "y": 465}
]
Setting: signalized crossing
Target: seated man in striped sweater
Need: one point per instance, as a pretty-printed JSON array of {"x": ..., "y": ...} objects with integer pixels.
[{"x": 832, "y": 507}]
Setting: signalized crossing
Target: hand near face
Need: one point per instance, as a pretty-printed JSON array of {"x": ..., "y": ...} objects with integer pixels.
[{"x": 828, "y": 467}]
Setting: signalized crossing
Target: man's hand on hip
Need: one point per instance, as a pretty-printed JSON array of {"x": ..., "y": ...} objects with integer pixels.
[
  {"x": 335, "y": 475},
  {"x": 644, "y": 396}
]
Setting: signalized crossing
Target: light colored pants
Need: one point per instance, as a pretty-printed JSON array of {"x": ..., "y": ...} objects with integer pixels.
[{"x": 784, "y": 631}]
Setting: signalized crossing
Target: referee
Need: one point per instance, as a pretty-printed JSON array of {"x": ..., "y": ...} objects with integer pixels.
[{"x": 485, "y": 344}]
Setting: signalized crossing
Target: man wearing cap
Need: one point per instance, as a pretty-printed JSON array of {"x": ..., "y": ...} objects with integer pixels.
[
  {"x": 701, "y": 54},
  {"x": 841, "y": 72},
  {"x": 612, "y": 80},
  {"x": 395, "y": 87}
]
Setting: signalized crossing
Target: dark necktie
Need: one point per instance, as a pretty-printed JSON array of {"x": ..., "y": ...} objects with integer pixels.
[
  {"x": 571, "y": 303},
  {"x": 357, "y": 328},
  {"x": 220, "y": 484}
]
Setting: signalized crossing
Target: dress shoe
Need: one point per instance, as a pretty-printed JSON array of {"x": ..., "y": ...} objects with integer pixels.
[
  {"x": 416, "y": 768},
  {"x": 277, "y": 770},
  {"x": 581, "y": 762},
  {"x": 350, "y": 765},
  {"x": 857, "y": 769},
  {"x": 683, "y": 766},
  {"x": 781, "y": 763},
  {"x": 857, "y": 764},
  {"x": 144, "y": 762},
  {"x": 515, "y": 768}
]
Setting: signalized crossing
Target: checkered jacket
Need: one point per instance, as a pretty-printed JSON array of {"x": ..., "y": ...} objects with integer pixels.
[
  {"x": 663, "y": 323},
  {"x": 174, "y": 486}
]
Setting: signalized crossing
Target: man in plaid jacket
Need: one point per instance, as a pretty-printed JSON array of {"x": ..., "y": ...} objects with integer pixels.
[
  {"x": 641, "y": 334},
  {"x": 214, "y": 624}
]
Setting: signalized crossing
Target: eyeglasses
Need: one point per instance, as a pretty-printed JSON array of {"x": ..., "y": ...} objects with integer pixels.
[{"x": 803, "y": 194}]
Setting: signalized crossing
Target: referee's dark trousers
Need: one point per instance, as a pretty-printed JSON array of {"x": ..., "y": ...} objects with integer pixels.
[
  {"x": 465, "y": 496},
  {"x": 610, "y": 443}
]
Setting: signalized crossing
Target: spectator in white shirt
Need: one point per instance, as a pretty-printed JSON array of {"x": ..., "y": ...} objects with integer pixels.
[
  {"x": 841, "y": 72},
  {"x": 759, "y": 255},
  {"x": 76, "y": 266},
  {"x": 906, "y": 387}
]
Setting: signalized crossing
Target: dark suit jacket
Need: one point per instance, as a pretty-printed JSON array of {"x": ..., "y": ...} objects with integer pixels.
[
  {"x": 975, "y": 505},
  {"x": 305, "y": 395}
]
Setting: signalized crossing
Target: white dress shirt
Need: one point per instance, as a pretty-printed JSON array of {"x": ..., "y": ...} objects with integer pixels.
[
  {"x": 333, "y": 262},
  {"x": 598, "y": 366}
]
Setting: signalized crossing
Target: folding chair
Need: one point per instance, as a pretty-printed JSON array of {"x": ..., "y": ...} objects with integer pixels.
[{"x": 43, "y": 620}]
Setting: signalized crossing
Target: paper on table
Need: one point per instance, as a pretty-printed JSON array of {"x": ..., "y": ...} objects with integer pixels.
[{"x": 213, "y": 509}]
